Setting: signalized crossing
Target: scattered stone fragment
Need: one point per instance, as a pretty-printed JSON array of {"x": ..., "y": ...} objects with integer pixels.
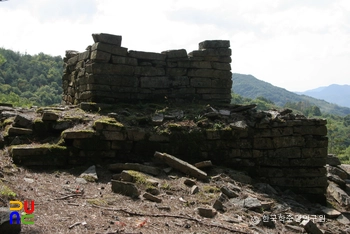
[
  {"x": 22, "y": 121},
  {"x": 182, "y": 166},
  {"x": 206, "y": 212},
  {"x": 81, "y": 180},
  {"x": 125, "y": 188},
  {"x": 333, "y": 160},
  {"x": 50, "y": 116},
  {"x": 295, "y": 229},
  {"x": 310, "y": 227},
  {"x": 343, "y": 219},
  {"x": 252, "y": 203},
  {"x": 203, "y": 164},
  {"x": 29, "y": 180},
  {"x": 337, "y": 171},
  {"x": 167, "y": 208},
  {"x": 90, "y": 174},
  {"x": 266, "y": 188},
  {"x": 135, "y": 167},
  {"x": 228, "y": 192},
  {"x": 182, "y": 200},
  {"x": 158, "y": 119},
  {"x": 330, "y": 212},
  {"x": 167, "y": 170},
  {"x": 194, "y": 189},
  {"x": 189, "y": 182},
  {"x": 232, "y": 218},
  {"x": 152, "y": 182},
  {"x": 152, "y": 190},
  {"x": 5, "y": 226},
  {"x": 151, "y": 197},
  {"x": 346, "y": 168},
  {"x": 336, "y": 179},
  {"x": 225, "y": 112}
]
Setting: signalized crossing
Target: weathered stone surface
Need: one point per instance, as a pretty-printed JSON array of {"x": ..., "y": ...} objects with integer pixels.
[
  {"x": 337, "y": 171},
  {"x": 194, "y": 189},
  {"x": 206, "y": 212},
  {"x": 109, "y": 48},
  {"x": 13, "y": 131},
  {"x": 90, "y": 174},
  {"x": 181, "y": 166},
  {"x": 330, "y": 212},
  {"x": 76, "y": 134},
  {"x": 50, "y": 116},
  {"x": 151, "y": 197},
  {"x": 203, "y": 164},
  {"x": 5, "y": 226},
  {"x": 228, "y": 192},
  {"x": 310, "y": 227},
  {"x": 346, "y": 168},
  {"x": 22, "y": 121},
  {"x": 170, "y": 54},
  {"x": 338, "y": 194},
  {"x": 214, "y": 44},
  {"x": 125, "y": 188},
  {"x": 336, "y": 179},
  {"x": 135, "y": 167},
  {"x": 146, "y": 55},
  {"x": 343, "y": 219},
  {"x": 107, "y": 38},
  {"x": 100, "y": 56},
  {"x": 39, "y": 154},
  {"x": 252, "y": 203},
  {"x": 189, "y": 182}
]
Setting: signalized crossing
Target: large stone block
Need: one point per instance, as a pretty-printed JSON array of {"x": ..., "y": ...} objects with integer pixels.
[
  {"x": 107, "y": 38},
  {"x": 314, "y": 152},
  {"x": 101, "y": 56},
  {"x": 179, "y": 81},
  {"x": 221, "y": 66},
  {"x": 149, "y": 71},
  {"x": 112, "y": 49},
  {"x": 175, "y": 53},
  {"x": 214, "y": 44},
  {"x": 289, "y": 141},
  {"x": 201, "y": 82},
  {"x": 147, "y": 55},
  {"x": 311, "y": 130},
  {"x": 154, "y": 82},
  {"x": 176, "y": 71},
  {"x": 220, "y": 52},
  {"x": 109, "y": 69},
  {"x": 201, "y": 73},
  {"x": 124, "y": 60},
  {"x": 194, "y": 64}
]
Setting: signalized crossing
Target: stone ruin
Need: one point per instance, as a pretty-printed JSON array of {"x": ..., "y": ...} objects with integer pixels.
[
  {"x": 109, "y": 73},
  {"x": 283, "y": 149}
]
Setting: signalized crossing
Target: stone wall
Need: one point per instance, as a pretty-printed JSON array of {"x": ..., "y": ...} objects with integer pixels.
[
  {"x": 285, "y": 150},
  {"x": 109, "y": 73}
]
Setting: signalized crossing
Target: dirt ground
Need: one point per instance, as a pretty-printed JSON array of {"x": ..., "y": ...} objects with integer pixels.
[{"x": 63, "y": 205}]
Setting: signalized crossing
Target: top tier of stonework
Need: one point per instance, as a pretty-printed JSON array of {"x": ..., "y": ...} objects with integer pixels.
[{"x": 109, "y": 73}]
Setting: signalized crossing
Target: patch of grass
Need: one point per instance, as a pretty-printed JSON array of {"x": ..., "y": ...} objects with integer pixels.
[
  {"x": 165, "y": 186},
  {"x": 5, "y": 191},
  {"x": 210, "y": 189},
  {"x": 109, "y": 121}
]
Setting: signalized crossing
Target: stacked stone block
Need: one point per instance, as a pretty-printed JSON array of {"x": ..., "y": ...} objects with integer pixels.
[{"x": 109, "y": 73}]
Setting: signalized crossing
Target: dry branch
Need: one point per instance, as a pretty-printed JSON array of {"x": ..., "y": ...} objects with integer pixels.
[{"x": 173, "y": 216}]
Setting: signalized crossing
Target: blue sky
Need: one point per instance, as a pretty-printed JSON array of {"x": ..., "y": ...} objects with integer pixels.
[{"x": 294, "y": 44}]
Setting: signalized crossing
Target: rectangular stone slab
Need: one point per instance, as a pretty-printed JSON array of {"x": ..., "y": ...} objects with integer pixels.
[{"x": 181, "y": 165}]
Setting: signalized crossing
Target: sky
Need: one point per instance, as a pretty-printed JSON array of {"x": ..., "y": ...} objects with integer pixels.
[{"x": 294, "y": 44}]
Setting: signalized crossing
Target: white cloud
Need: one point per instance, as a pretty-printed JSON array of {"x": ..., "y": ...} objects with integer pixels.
[{"x": 294, "y": 44}]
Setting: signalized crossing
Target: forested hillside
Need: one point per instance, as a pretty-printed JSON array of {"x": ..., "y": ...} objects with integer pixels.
[
  {"x": 251, "y": 87},
  {"x": 30, "y": 79}
]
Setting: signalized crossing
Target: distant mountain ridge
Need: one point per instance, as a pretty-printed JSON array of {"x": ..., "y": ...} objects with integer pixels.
[
  {"x": 251, "y": 87},
  {"x": 338, "y": 94}
]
